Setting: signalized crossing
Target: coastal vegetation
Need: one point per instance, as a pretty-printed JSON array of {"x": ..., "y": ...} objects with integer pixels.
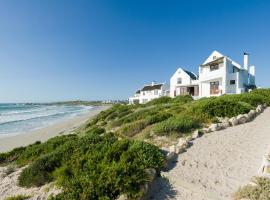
[
  {"x": 260, "y": 190},
  {"x": 112, "y": 152},
  {"x": 175, "y": 117}
]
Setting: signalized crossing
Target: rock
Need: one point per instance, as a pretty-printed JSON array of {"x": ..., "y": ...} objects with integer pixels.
[
  {"x": 182, "y": 142},
  {"x": 152, "y": 173},
  {"x": 225, "y": 124},
  {"x": 259, "y": 109},
  {"x": 189, "y": 138},
  {"x": 214, "y": 127},
  {"x": 233, "y": 121},
  {"x": 172, "y": 148},
  {"x": 122, "y": 197},
  {"x": 181, "y": 145},
  {"x": 206, "y": 130},
  {"x": 195, "y": 134},
  {"x": 251, "y": 115},
  {"x": 264, "y": 105},
  {"x": 247, "y": 118},
  {"x": 171, "y": 156},
  {"x": 241, "y": 119}
]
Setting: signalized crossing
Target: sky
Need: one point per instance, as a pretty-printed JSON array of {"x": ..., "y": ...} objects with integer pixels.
[{"x": 56, "y": 50}]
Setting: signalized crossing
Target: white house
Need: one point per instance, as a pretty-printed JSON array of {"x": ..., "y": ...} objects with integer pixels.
[
  {"x": 217, "y": 75},
  {"x": 149, "y": 92},
  {"x": 184, "y": 82}
]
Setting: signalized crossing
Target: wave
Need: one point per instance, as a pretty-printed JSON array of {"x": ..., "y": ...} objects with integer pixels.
[{"x": 32, "y": 116}]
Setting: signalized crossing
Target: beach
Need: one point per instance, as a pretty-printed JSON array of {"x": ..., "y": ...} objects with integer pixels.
[{"x": 66, "y": 126}]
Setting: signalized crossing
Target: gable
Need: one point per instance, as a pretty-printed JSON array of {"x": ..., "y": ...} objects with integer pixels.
[{"x": 215, "y": 55}]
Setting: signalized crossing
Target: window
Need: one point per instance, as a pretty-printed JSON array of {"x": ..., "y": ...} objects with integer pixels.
[
  {"x": 214, "y": 57},
  {"x": 155, "y": 92},
  {"x": 214, "y": 67},
  {"x": 179, "y": 80},
  {"x": 232, "y": 82}
]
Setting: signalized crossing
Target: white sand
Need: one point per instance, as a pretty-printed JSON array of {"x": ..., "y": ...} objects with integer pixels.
[
  {"x": 218, "y": 163},
  {"x": 67, "y": 126}
]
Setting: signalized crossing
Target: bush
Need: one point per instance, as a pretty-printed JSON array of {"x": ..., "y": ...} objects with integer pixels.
[
  {"x": 133, "y": 128},
  {"x": 264, "y": 93},
  {"x": 220, "y": 107},
  {"x": 160, "y": 100},
  {"x": 182, "y": 99},
  {"x": 104, "y": 168},
  {"x": 178, "y": 124},
  {"x": 260, "y": 191},
  {"x": 39, "y": 172}
]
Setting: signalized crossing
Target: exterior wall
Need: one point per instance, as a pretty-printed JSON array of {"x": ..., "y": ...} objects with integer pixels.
[{"x": 205, "y": 87}]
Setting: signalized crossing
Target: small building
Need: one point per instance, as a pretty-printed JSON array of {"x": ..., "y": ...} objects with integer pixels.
[
  {"x": 149, "y": 92},
  {"x": 184, "y": 82}
]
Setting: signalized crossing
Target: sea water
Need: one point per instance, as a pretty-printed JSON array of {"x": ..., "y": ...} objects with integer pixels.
[{"x": 22, "y": 118}]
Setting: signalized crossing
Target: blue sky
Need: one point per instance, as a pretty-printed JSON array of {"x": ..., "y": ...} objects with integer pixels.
[{"x": 54, "y": 50}]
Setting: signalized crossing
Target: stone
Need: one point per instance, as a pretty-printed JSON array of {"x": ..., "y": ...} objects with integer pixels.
[
  {"x": 241, "y": 119},
  {"x": 171, "y": 156},
  {"x": 152, "y": 173},
  {"x": 251, "y": 115},
  {"x": 233, "y": 121},
  {"x": 195, "y": 134},
  {"x": 181, "y": 145},
  {"x": 182, "y": 142},
  {"x": 214, "y": 127},
  {"x": 225, "y": 124},
  {"x": 247, "y": 118},
  {"x": 122, "y": 197},
  {"x": 172, "y": 148},
  {"x": 259, "y": 109},
  {"x": 206, "y": 130},
  {"x": 189, "y": 138}
]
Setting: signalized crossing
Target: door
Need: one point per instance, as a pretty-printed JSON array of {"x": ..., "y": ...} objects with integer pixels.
[{"x": 214, "y": 87}]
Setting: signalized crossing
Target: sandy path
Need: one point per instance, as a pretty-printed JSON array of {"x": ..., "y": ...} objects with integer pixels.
[
  {"x": 217, "y": 163},
  {"x": 64, "y": 127}
]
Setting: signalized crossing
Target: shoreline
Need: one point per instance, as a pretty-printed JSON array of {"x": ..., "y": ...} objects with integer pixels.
[{"x": 8, "y": 143}]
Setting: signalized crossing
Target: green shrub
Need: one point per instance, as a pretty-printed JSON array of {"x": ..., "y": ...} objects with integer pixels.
[
  {"x": 18, "y": 197},
  {"x": 39, "y": 172},
  {"x": 178, "y": 124},
  {"x": 220, "y": 107},
  {"x": 264, "y": 93},
  {"x": 182, "y": 99},
  {"x": 250, "y": 98},
  {"x": 133, "y": 128},
  {"x": 259, "y": 191},
  {"x": 160, "y": 100}
]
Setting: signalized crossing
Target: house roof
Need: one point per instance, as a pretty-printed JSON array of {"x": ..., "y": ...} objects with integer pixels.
[
  {"x": 219, "y": 58},
  {"x": 191, "y": 75},
  {"x": 138, "y": 92},
  {"x": 152, "y": 87}
]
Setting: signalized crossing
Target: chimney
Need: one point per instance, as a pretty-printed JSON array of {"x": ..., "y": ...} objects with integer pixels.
[{"x": 246, "y": 60}]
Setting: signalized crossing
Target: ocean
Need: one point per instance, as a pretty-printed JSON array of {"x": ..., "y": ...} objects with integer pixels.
[{"x": 22, "y": 118}]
